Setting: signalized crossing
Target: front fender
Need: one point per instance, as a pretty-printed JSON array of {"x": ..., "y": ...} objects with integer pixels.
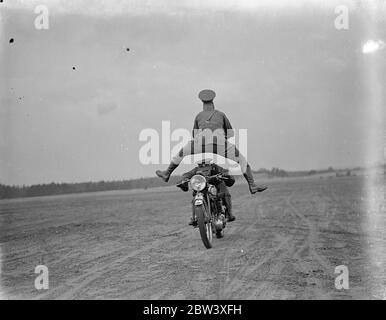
[{"x": 198, "y": 199}]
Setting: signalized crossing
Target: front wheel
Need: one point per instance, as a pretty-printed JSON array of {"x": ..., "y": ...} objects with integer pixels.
[{"x": 204, "y": 226}]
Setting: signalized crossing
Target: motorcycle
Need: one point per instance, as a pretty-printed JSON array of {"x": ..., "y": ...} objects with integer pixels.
[{"x": 208, "y": 206}]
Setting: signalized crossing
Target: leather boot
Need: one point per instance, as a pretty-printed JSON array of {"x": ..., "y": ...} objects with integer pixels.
[
  {"x": 165, "y": 175},
  {"x": 253, "y": 188},
  {"x": 228, "y": 205}
]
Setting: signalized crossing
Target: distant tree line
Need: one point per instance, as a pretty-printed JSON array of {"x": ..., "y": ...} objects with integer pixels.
[
  {"x": 277, "y": 172},
  {"x": 7, "y": 192},
  {"x": 274, "y": 172}
]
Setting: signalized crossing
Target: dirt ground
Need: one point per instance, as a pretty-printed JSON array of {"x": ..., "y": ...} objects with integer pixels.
[{"x": 285, "y": 244}]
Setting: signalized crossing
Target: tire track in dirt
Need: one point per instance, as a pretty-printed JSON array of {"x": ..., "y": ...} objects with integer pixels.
[
  {"x": 283, "y": 246},
  {"x": 71, "y": 288},
  {"x": 226, "y": 285},
  {"x": 171, "y": 285},
  {"x": 232, "y": 285},
  {"x": 309, "y": 244},
  {"x": 310, "y": 239},
  {"x": 273, "y": 263}
]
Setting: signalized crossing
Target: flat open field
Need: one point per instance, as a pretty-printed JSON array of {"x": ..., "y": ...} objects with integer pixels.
[{"x": 285, "y": 244}]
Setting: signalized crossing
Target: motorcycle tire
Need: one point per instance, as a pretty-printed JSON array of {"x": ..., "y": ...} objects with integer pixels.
[{"x": 204, "y": 227}]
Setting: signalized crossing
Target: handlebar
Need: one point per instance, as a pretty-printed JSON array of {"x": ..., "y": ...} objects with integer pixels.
[
  {"x": 182, "y": 182},
  {"x": 218, "y": 176}
]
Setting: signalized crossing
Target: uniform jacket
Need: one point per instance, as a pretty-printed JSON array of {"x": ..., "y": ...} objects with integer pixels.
[{"x": 212, "y": 119}]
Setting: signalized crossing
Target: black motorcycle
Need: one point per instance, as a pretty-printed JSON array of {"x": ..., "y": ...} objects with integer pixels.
[{"x": 208, "y": 206}]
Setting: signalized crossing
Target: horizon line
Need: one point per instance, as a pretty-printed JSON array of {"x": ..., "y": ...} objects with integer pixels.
[{"x": 150, "y": 177}]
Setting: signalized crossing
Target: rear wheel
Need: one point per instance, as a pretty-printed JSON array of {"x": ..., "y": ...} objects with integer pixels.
[{"x": 204, "y": 226}]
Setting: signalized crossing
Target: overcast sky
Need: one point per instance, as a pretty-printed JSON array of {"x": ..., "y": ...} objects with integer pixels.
[{"x": 280, "y": 70}]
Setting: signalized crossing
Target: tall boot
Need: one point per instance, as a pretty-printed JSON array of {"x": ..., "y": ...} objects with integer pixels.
[
  {"x": 253, "y": 188},
  {"x": 165, "y": 175},
  {"x": 228, "y": 205}
]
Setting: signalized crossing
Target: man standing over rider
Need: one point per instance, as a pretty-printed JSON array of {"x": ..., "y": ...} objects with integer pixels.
[{"x": 211, "y": 132}]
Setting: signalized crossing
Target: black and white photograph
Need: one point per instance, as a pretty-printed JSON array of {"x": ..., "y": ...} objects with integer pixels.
[{"x": 206, "y": 152}]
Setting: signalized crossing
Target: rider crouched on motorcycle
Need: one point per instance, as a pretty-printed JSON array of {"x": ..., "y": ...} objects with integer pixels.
[{"x": 210, "y": 169}]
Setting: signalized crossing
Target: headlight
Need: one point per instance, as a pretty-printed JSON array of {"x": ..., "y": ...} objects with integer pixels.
[{"x": 198, "y": 183}]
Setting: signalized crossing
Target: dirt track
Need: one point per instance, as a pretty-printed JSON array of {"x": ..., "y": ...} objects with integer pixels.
[{"x": 285, "y": 244}]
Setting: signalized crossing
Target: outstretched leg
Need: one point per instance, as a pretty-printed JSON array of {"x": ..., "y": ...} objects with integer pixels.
[
  {"x": 253, "y": 188},
  {"x": 165, "y": 175},
  {"x": 227, "y": 150},
  {"x": 186, "y": 150},
  {"x": 231, "y": 152}
]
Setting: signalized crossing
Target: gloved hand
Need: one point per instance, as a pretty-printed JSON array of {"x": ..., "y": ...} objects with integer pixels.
[
  {"x": 183, "y": 185},
  {"x": 230, "y": 181}
]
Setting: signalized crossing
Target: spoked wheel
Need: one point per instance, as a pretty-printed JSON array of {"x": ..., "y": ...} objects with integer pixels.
[{"x": 204, "y": 225}]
